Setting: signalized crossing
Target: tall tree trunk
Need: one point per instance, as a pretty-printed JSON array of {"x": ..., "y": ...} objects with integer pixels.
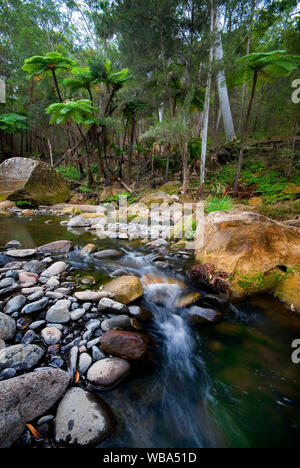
[
  {"x": 56, "y": 85},
  {"x": 207, "y": 101},
  {"x": 222, "y": 87},
  {"x": 253, "y": 5},
  {"x": 185, "y": 185},
  {"x": 88, "y": 163},
  {"x": 168, "y": 163},
  {"x": 123, "y": 149},
  {"x": 245, "y": 134},
  {"x": 130, "y": 148}
]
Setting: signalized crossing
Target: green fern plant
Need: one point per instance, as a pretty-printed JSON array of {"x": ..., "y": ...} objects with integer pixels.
[
  {"x": 40, "y": 65},
  {"x": 80, "y": 112},
  {"x": 13, "y": 123}
]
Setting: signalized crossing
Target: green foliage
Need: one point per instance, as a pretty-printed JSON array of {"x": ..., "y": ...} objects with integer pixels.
[
  {"x": 85, "y": 189},
  {"x": 104, "y": 73},
  {"x": 25, "y": 204},
  {"x": 268, "y": 65},
  {"x": 80, "y": 112},
  {"x": 83, "y": 78},
  {"x": 13, "y": 123},
  {"x": 116, "y": 198},
  {"x": 219, "y": 204},
  {"x": 69, "y": 172},
  {"x": 38, "y": 65}
]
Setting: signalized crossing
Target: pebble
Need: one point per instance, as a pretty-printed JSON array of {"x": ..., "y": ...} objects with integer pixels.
[
  {"x": 107, "y": 305},
  {"x": 29, "y": 337},
  {"x": 97, "y": 354},
  {"x": 93, "y": 296},
  {"x": 85, "y": 362},
  {"x": 37, "y": 324},
  {"x": 77, "y": 314},
  {"x": 15, "y": 304},
  {"x": 108, "y": 372},
  {"x": 21, "y": 253},
  {"x": 59, "y": 312},
  {"x": 34, "y": 306},
  {"x": 8, "y": 374},
  {"x": 7, "y": 327},
  {"x": 9, "y": 290},
  {"x": 72, "y": 361},
  {"x": 120, "y": 322},
  {"x": 35, "y": 296},
  {"x": 6, "y": 283},
  {"x": 55, "y": 269},
  {"x": 92, "y": 325},
  {"x": 20, "y": 357},
  {"x": 92, "y": 343},
  {"x": 51, "y": 336}
]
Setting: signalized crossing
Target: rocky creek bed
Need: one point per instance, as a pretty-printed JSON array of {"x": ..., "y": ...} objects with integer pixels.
[{"x": 107, "y": 343}]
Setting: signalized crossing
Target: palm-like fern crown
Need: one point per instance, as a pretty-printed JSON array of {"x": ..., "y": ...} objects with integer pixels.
[
  {"x": 267, "y": 65},
  {"x": 13, "y": 123},
  {"x": 83, "y": 78},
  {"x": 80, "y": 112},
  {"x": 38, "y": 65},
  {"x": 103, "y": 72}
]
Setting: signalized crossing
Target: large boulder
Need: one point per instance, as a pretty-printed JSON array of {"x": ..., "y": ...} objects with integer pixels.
[
  {"x": 126, "y": 289},
  {"x": 27, "y": 397},
  {"x": 82, "y": 420},
  {"x": 258, "y": 254},
  {"x": 158, "y": 198},
  {"x": 35, "y": 181}
]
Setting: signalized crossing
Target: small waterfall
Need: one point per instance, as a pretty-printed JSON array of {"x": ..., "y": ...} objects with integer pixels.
[{"x": 183, "y": 379}]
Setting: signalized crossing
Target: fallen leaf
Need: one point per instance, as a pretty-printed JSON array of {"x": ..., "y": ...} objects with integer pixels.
[
  {"x": 34, "y": 431},
  {"x": 76, "y": 378}
]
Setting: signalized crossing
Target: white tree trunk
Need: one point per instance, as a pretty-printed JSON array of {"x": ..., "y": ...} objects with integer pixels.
[
  {"x": 161, "y": 112},
  {"x": 222, "y": 87},
  {"x": 207, "y": 100}
]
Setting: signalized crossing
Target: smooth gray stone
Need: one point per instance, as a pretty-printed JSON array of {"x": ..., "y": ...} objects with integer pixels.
[
  {"x": 73, "y": 358},
  {"x": 35, "y": 306},
  {"x": 97, "y": 354},
  {"x": 37, "y": 324},
  {"x": 108, "y": 305},
  {"x": 24, "y": 398},
  {"x": 92, "y": 343},
  {"x": 29, "y": 337},
  {"x": 7, "y": 327},
  {"x": 85, "y": 361},
  {"x": 20, "y": 357},
  {"x": 121, "y": 322},
  {"x": 82, "y": 420}
]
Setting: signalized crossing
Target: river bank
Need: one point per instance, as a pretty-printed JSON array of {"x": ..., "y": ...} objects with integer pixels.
[{"x": 195, "y": 373}]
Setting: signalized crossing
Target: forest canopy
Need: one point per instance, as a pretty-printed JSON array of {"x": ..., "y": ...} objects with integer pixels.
[{"x": 120, "y": 89}]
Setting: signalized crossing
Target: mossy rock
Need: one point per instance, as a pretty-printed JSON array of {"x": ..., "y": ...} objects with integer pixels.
[
  {"x": 171, "y": 188},
  {"x": 29, "y": 180}
]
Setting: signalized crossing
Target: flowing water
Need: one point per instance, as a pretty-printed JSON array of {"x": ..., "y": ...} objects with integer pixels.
[{"x": 230, "y": 385}]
